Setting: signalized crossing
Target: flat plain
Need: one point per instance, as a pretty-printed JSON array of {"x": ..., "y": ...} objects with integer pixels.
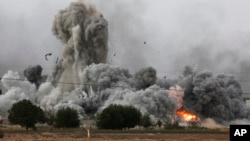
[{"x": 81, "y": 135}]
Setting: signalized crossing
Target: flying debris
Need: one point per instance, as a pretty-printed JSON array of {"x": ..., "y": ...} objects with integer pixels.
[
  {"x": 48, "y": 54},
  {"x": 83, "y": 80}
]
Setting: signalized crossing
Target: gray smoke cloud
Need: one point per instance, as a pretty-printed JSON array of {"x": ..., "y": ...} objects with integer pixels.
[
  {"x": 102, "y": 76},
  {"x": 219, "y": 97},
  {"x": 106, "y": 85},
  {"x": 180, "y": 33},
  {"x": 84, "y": 34},
  {"x": 33, "y": 74},
  {"x": 154, "y": 101},
  {"x": 80, "y": 79},
  {"x": 145, "y": 78},
  {"x": 76, "y": 82}
]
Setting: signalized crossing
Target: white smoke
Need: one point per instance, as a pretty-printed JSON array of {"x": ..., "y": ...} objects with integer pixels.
[
  {"x": 17, "y": 90},
  {"x": 211, "y": 124},
  {"x": 81, "y": 82},
  {"x": 47, "y": 96}
]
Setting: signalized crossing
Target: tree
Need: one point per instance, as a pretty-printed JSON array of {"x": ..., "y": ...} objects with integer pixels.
[
  {"x": 50, "y": 117},
  {"x": 145, "y": 121},
  {"x": 159, "y": 123},
  {"x": 1, "y": 134},
  {"x": 26, "y": 114},
  {"x": 118, "y": 117},
  {"x": 67, "y": 118}
]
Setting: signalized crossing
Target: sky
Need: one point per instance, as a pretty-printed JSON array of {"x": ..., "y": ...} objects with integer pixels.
[{"x": 164, "y": 34}]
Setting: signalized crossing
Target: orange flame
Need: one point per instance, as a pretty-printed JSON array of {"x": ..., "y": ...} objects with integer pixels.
[{"x": 186, "y": 115}]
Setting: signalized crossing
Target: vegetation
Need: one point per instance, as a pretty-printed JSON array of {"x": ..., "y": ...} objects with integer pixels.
[
  {"x": 145, "y": 121},
  {"x": 159, "y": 123},
  {"x": 67, "y": 118},
  {"x": 118, "y": 117},
  {"x": 1, "y": 134},
  {"x": 173, "y": 126},
  {"x": 26, "y": 114},
  {"x": 50, "y": 118}
]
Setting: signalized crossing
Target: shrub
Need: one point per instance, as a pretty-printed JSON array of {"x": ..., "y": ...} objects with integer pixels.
[
  {"x": 172, "y": 126},
  {"x": 118, "y": 117},
  {"x": 145, "y": 121},
  {"x": 1, "y": 134},
  {"x": 50, "y": 118},
  {"x": 67, "y": 118}
]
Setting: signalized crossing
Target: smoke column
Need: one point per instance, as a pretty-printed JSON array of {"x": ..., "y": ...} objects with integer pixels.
[
  {"x": 82, "y": 79},
  {"x": 84, "y": 34}
]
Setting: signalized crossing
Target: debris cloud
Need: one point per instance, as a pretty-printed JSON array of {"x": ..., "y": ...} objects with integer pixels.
[{"x": 83, "y": 79}]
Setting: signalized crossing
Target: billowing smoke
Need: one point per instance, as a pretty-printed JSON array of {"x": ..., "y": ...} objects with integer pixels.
[
  {"x": 82, "y": 79},
  {"x": 103, "y": 76},
  {"x": 17, "y": 90},
  {"x": 112, "y": 85},
  {"x": 33, "y": 74},
  {"x": 214, "y": 96},
  {"x": 145, "y": 78},
  {"x": 101, "y": 85},
  {"x": 154, "y": 101},
  {"x": 84, "y": 34}
]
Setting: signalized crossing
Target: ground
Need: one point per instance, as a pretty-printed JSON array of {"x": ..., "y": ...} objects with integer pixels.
[
  {"x": 80, "y": 135},
  {"x": 115, "y": 137}
]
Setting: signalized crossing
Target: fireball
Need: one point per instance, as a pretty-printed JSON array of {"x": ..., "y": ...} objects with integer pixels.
[{"x": 186, "y": 115}]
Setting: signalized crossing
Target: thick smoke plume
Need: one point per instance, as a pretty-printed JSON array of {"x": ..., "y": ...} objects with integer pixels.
[
  {"x": 214, "y": 96},
  {"x": 82, "y": 79},
  {"x": 84, "y": 34}
]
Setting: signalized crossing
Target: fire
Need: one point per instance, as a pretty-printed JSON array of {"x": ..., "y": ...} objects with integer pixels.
[{"x": 186, "y": 115}]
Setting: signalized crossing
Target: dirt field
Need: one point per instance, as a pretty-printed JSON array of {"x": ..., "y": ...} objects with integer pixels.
[{"x": 46, "y": 136}]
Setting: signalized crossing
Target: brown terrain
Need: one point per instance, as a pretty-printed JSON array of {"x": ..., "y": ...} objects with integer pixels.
[{"x": 81, "y": 135}]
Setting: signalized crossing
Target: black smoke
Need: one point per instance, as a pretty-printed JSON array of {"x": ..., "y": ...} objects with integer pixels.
[
  {"x": 219, "y": 96},
  {"x": 34, "y": 74}
]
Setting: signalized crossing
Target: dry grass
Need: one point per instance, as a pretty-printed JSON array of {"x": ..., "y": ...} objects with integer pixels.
[
  {"x": 81, "y": 136},
  {"x": 51, "y": 134}
]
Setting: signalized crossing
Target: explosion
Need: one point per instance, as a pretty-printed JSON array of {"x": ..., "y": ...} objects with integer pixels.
[
  {"x": 186, "y": 115},
  {"x": 83, "y": 79},
  {"x": 178, "y": 92},
  {"x": 84, "y": 34}
]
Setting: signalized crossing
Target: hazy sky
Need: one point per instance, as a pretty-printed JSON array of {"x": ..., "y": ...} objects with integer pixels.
[{"x": 209, "y": 34}]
